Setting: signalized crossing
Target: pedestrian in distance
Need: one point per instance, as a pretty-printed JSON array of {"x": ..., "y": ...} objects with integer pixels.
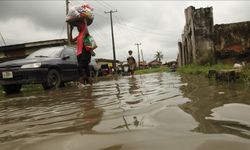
[
  {"x": 132, "y": 63},
  {"x": 83, "y": 53}
]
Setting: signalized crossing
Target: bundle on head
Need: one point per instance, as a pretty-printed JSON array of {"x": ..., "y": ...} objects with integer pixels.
[{"x": 79, "y": 13}]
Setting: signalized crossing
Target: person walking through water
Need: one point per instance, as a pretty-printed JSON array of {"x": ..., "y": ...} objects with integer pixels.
[
  {"x": 132, "y": 63},
  {"x": 83, "y": 53}
]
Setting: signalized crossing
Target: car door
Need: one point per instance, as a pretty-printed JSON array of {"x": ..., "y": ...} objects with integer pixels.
[{"x": 69, "y": 65}]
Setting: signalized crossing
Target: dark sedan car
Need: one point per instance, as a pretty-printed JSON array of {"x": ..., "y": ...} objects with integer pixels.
[{"x": 50, "y": 67}]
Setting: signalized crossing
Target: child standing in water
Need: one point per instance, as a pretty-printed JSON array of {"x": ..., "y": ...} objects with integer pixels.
[{"x": 132, "y": 63}]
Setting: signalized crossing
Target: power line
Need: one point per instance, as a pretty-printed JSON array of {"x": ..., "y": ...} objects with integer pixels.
[
  {"x": 146, "y": 29},
  {"x": 103, "y": 5},
  {"x": 125, "y": 29},
  {"x": 107, "y": 4}
]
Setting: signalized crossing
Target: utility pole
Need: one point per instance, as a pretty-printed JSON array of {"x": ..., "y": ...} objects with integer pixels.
[
  {"x": 138, "y": 44},
  {"x": 142, "y": 55},
  {"x": 112, "y": 34},
  {"x": 68, "y": 25},
  {"x": 3, "y": 39}
]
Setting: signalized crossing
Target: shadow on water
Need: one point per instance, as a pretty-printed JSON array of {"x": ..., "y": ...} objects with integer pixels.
[
  {"x": 113, "y": 105},
  {"x": 207, "y": 96},
  {"x": 55, "y": 111}
]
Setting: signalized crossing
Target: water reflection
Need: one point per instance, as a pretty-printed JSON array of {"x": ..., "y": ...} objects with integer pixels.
[
  {"x": 133, "y": 86},
  {"x": 207, "y": 95},
  {"x": 135, "y": 123},
  {"x": 89, "y": 115},
  {"x": 54, "y": 111},
  {"x": 130, "y": 100},
  {"x": 124, "y": 105}
]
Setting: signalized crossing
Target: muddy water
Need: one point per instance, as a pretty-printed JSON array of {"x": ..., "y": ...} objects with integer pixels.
[{"x": 155, "y": 111}]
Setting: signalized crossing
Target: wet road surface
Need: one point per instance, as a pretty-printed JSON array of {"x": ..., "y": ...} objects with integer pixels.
[{"x": 154, "y": 111}]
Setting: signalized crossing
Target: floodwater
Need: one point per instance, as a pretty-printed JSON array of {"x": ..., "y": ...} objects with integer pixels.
[{"x": 150, "y": 112}]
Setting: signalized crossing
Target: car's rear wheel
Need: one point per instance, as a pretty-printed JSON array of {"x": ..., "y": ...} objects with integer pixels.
[
  {"x": 13, "y": 88},
  {"x": 53, "y": 80}
]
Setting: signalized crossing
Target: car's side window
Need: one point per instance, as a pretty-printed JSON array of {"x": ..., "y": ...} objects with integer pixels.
[{"x": 70, "y": 53}]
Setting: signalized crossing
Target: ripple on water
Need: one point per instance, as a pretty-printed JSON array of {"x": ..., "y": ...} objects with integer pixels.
[{"x": 72, "y": 109}]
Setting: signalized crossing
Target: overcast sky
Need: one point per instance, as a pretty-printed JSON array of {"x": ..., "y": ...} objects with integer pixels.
[{"x": 157, "y": 25}]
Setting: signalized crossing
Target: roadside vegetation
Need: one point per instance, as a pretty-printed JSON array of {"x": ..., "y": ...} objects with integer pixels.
[
  {"x": 202, "y": 69},
  {"x": 194, "y": 69},
  {"x": 245, "y": 74},
  {"x": 26, "y": 88}
]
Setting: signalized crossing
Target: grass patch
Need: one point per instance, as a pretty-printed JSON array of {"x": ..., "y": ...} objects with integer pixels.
[
  {"x": 26, "y": 88},
  {"x": 153, "y": 70},
  {"x": 202, "y": 69},
  {"x": 32, "y": 87},
  {"x": 194, "y": 69},
  {"x": 245, "y": 74}
]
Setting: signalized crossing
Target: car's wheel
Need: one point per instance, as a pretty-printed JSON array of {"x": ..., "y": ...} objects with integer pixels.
[
  {"x": 13, "y": 88},
  {"x": 53, "y": 80}
]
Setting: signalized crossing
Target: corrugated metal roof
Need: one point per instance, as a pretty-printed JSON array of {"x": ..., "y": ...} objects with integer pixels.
[{"x": 55, "y": 42}]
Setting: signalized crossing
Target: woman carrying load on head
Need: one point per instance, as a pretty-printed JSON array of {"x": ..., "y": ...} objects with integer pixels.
[{"x": 83, "y": 53}]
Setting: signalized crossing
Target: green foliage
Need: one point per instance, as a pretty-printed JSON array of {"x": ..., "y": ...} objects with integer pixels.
[
  {"x": 26, "y": 88},
  {"x": 195, "y": 69},
  {"x": 245, "y": 74},
  {"x": 152, "y": 70},
  {"x": 32, "y": 87},
  {"x": 202, "y": 69},
  {"x": 158, "y": 56}
]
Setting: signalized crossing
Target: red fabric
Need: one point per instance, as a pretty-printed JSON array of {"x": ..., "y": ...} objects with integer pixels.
[
  {"x": 87, "y": 48},
  {"x": 80, "y": 37}
]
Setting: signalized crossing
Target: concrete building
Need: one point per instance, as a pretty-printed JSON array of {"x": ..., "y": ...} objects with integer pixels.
[
  {"x": 205, "y": 43},
  {"x": 154, "y": 63},
  {"x": 102, "y": 61}
]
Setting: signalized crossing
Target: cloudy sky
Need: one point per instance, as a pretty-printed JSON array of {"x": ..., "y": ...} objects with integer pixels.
[{"x": 157, "y": 25}]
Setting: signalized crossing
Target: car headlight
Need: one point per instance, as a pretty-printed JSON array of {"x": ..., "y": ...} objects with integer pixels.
[{"x": 33, "y": 65}]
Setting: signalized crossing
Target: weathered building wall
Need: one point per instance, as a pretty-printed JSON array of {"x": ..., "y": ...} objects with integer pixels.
[
  {"x": 232, "y": 41},
  {"x": 202, "y": 42},
  {"x": 197, "y": 39},
  {"x": 188, "y": 37},
  {"x": 203, "y": 31},
  {"x": 180, "y": 55}
]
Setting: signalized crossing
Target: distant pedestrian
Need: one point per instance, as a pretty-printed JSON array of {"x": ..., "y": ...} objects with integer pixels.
[
  {"x": 83, "y": 53},
  {"x": 132, "y": 63},
  {"x": 136, "y": 122}
]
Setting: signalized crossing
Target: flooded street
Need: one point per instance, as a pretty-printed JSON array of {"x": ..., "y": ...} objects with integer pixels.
[{"x": 154, "y": 111}]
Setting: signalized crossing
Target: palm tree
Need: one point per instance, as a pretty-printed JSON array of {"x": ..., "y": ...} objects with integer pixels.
[{"x": 158, "y": 56}]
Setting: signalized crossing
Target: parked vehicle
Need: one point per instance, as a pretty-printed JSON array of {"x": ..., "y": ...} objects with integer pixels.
[
  {"x": 104, "y": 70},
  {"x": 93, "y": 68},
  {"x": 51, "y": 67}
]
